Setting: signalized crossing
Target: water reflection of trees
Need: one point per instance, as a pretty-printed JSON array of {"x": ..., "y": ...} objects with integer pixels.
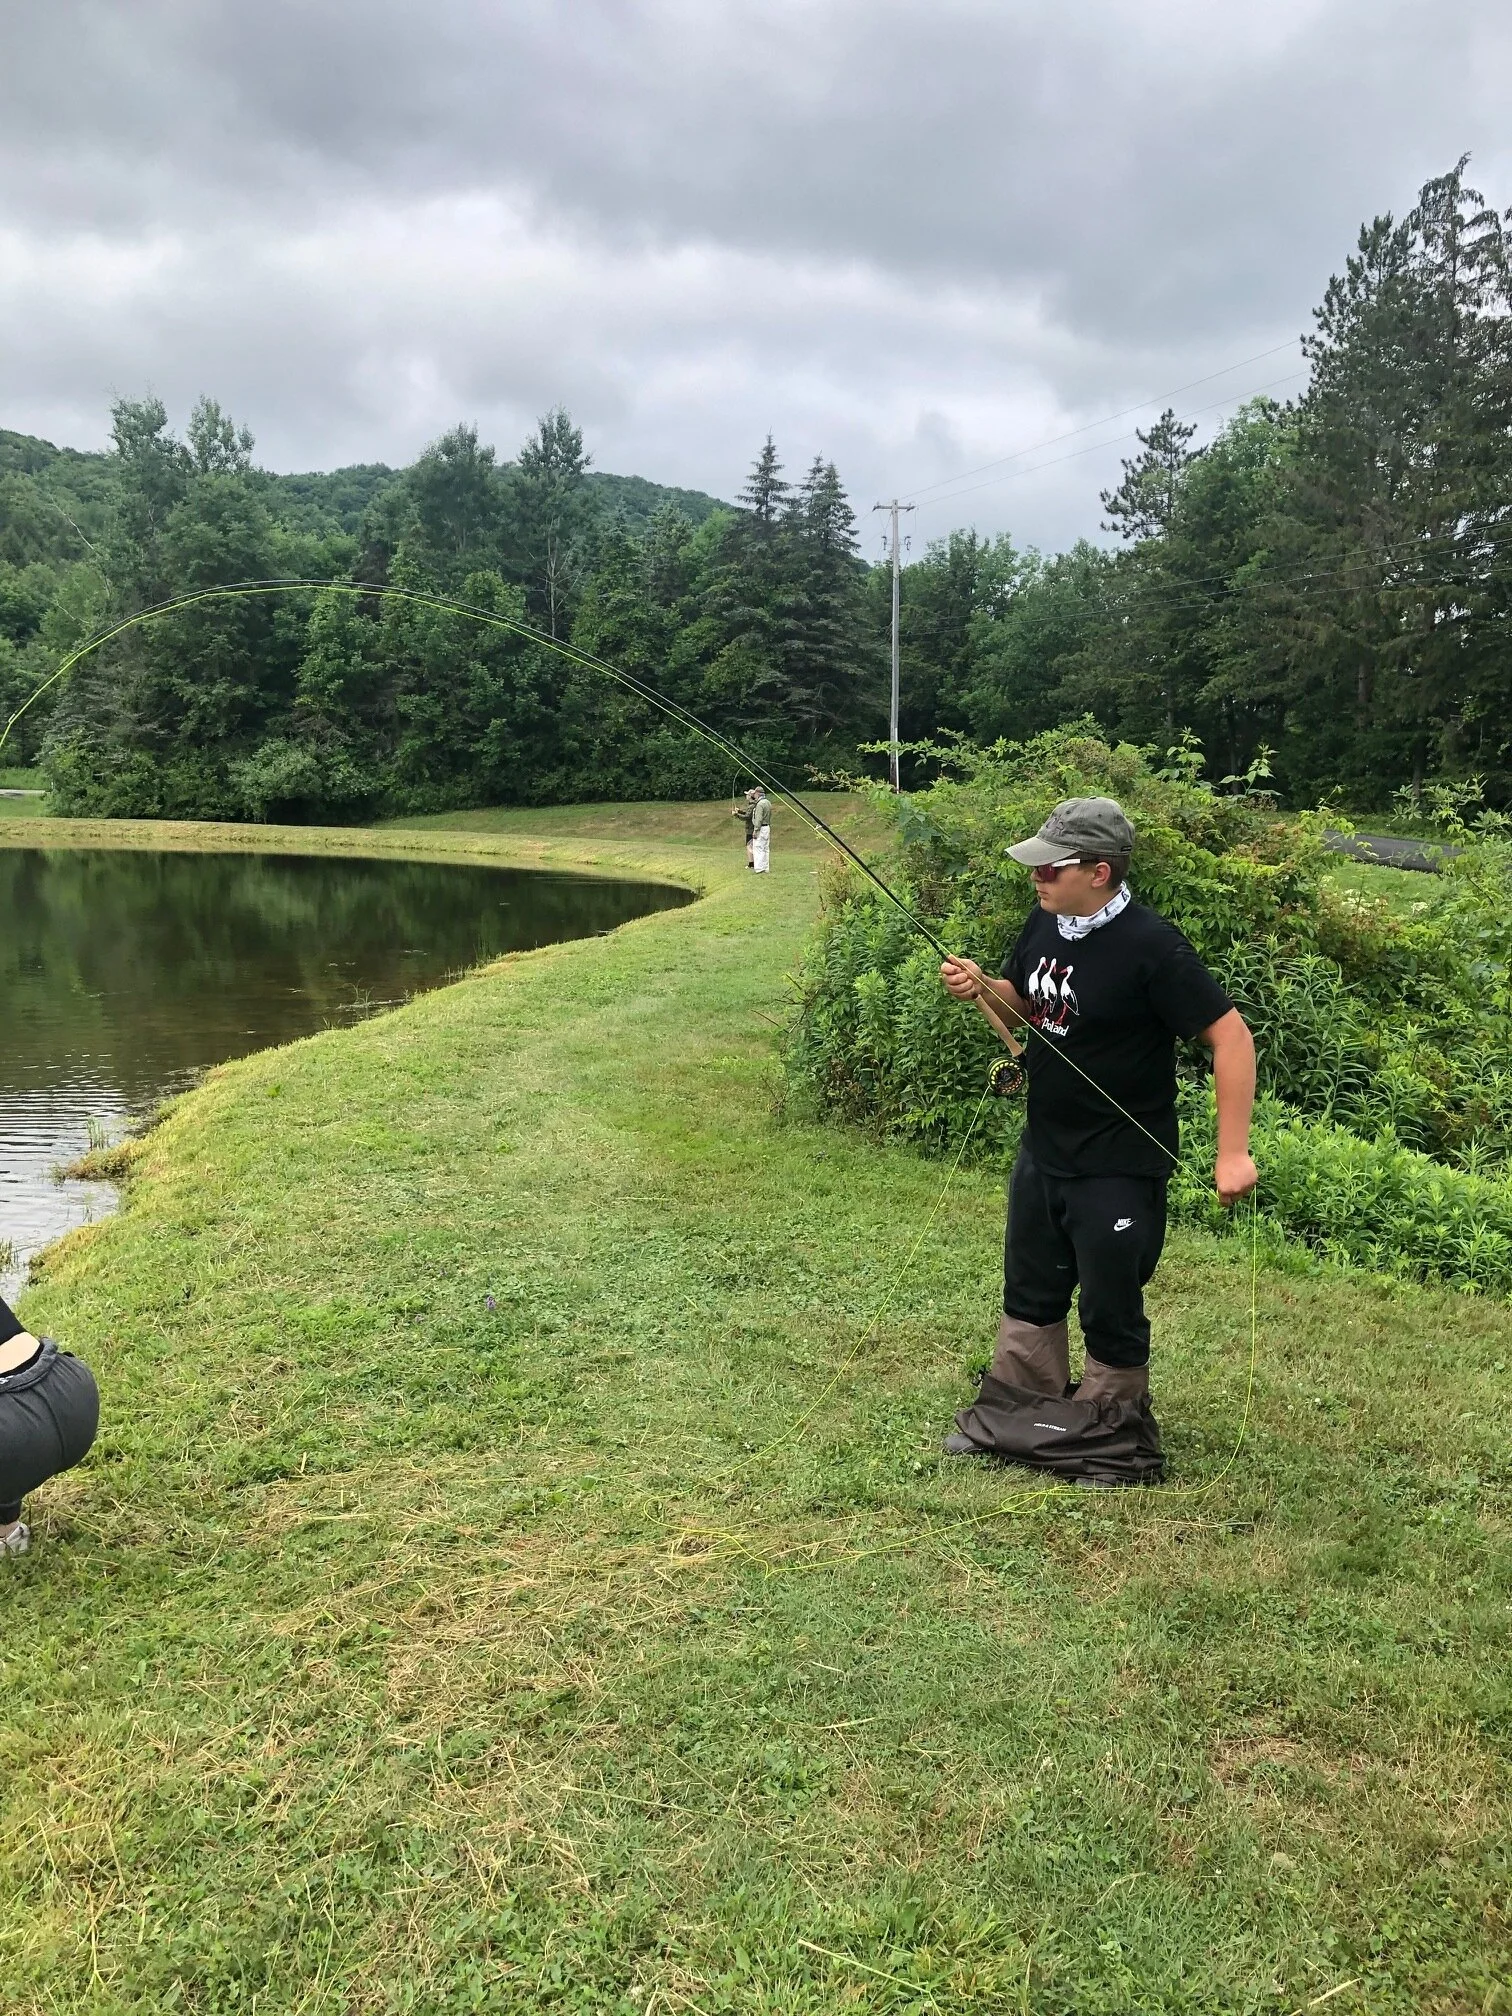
[{"x": 153, "y": 965}]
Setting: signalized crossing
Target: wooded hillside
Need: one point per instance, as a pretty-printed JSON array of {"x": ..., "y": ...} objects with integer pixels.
[{"x": 1319, "y": 595}]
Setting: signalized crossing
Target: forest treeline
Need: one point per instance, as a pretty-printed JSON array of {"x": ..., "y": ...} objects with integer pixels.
[
  {"x": 322, "y": 704},
  {"x": 1320, "y": 592}
]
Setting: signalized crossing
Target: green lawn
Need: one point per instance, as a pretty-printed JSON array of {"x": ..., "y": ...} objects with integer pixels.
[
  {"x": 1404, "y": 890},
  {"x": 21, "y": 808},
  {"x": 511, "y": 1578}
]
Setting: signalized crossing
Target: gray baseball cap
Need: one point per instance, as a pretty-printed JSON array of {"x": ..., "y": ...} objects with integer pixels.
[{"x": 1076, "y": 827}]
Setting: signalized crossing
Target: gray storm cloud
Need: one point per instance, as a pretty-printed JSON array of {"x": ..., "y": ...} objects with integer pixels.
[{"x": 913, "y": 236}]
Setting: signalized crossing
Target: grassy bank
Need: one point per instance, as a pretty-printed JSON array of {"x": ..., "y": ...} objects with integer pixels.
[
  {"x": 1405, "y": 889},
  {"x": 494, "y": 1590},
  {"x": 29, "y": 807}
]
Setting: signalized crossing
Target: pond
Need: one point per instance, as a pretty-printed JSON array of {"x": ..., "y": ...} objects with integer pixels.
[{"x": 124, "y": 975}]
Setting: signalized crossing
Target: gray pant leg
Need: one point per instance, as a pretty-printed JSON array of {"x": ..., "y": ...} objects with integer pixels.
[{"x": 45, "y": 1427}]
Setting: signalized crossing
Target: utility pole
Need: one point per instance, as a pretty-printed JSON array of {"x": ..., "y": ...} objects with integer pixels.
[{"x": 894, "y": 508}]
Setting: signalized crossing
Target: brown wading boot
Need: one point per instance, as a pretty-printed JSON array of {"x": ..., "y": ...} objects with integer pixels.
[
  {"x": 1033, "y": 1358},
  {"x": 1118, "y": 1386},
  {"x": 1035, "y": 1355},
  {"x": 1124, "y": 1385}
]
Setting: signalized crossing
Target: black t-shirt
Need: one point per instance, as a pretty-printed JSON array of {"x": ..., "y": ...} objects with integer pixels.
[{"x": 1113, "y": 1003}]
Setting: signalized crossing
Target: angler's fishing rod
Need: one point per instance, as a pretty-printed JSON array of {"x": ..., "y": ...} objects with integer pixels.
[
  {"x": 674, "y": 710},
  {"x": 426, "y": 598},
  {"x": 574, "y": 653}
]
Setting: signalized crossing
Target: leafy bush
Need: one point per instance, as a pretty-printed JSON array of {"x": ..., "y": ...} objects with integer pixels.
[
  {"x": 1384, "y": 1039},
  {"x": 1373, "y": 1204},
  {"x": 1444, "y": 1086}
]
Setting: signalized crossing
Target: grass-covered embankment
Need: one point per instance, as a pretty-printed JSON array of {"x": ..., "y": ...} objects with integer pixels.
[
  {"x": 14, "y": 806},
  {"x": 463, "y": 1608}
]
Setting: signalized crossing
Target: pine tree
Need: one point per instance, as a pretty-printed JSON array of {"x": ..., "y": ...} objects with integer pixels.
[
  {"x": 551, "y": 542},
  {"x": 1144, "y": 504},
  {"x": 666, "y": 557},
  {"x": 826, "y": 654},
  {"x": 748, "y": 606},
  {"x": 1395, "y": 592},
  {"x": 765, "y": 495}
]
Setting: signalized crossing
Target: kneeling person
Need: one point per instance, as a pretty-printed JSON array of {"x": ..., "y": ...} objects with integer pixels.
[
  {"x": 1109, "y": 986},
  {"x": 49, "y": 1411}
]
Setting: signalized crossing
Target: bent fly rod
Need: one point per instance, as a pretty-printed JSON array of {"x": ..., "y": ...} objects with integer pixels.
[
  {"x": 514, "y": 626},
  {"x": 426, "y": 598}
]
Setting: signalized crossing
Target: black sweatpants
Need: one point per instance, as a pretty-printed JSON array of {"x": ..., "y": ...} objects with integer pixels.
[
  {"x": 49, "y": 1412},
  {"x": 1100, "y": 1233}
]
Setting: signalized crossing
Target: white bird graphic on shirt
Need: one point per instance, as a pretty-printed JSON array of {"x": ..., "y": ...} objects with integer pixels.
[{"x": 1069, "y": 1003}]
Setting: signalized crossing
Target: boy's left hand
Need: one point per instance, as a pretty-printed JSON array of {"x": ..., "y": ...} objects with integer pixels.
[{"x": 1234, "y": 1176}]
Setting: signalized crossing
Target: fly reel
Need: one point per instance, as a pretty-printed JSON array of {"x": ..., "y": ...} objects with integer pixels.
[{"x": 1005, "y": 1078}]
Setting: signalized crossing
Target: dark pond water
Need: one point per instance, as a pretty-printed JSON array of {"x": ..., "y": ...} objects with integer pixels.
[{"x": 124, "y": 975}]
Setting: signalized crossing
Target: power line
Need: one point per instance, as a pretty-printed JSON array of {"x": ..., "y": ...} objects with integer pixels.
[
  {"x": 1156, "y": 399},
  {"x": 1095, "y": 447}
]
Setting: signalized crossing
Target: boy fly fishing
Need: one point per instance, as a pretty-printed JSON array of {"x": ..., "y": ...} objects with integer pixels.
[{"x": 1107, "y": 987}]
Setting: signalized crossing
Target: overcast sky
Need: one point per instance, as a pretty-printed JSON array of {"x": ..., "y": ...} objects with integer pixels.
[{"x": 911, "y": 235}]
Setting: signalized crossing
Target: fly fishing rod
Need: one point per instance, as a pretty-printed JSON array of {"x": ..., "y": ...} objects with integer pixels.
[
  {"x": 575, "y": 654},
  {"x": 514, "y": 626}
]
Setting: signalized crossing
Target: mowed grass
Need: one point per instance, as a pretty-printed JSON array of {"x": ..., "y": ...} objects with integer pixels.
[
  {"x": 511, "y": 1578},
  {"x": 21, "y": 808},
  {"x": 1406, "y": 891}
]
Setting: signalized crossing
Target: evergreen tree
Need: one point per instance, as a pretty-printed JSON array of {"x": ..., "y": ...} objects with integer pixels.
[
  {"x": 343, "y": 706},
  {"x": 667, "y": 557},
  {"x": 629, "y": 616},
  {"x": 749, "y": 606},
  {"x": 1234, "y": 689},
  {"x": 1147, "y": 658},
  {"x": 1394, "y": 590},
  {"x": 829, "y": 655},
  {"x": 551, "y": 544},
  {"x": 474, "y": 708},
  {"x": 764, "y": 498},
  {"x": 1144, "y": 504}
]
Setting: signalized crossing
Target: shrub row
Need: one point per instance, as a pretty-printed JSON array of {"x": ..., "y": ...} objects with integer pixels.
[{"x": 1374, "y": 1204}]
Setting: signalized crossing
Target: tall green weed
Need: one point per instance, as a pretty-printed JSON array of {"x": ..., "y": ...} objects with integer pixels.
[{"x": 1375, "y": 1204}]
